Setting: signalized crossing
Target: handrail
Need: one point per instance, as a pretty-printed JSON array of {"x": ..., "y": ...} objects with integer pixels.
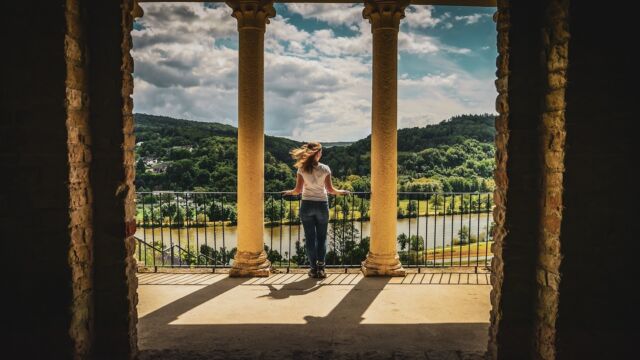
[{"x": 435, "y": 229}]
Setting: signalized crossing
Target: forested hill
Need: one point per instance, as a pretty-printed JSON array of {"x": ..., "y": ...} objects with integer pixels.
[
  {"x": 354, "y": 159},
  {"x": 174, "y": 154},
  {"x": 179, "y": 132}
]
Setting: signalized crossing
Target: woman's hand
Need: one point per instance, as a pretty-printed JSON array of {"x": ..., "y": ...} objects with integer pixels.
[
  {"x": 289, "y": 192},
  {"x": 328, "y": 184}
]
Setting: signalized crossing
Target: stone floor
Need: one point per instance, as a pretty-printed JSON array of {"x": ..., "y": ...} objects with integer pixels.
[{"x": 346, "y": 316}]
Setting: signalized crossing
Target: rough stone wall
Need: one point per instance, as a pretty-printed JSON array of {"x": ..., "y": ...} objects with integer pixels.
[
  {"x": 517, "y": 196},
  {"x": 45, "y": 195},
  {"x": 112, "y": 175},
  {"x": 597, "y": 315},
  {"x": 565, "y": 250},
  {"x": 501, "y": 17},
  {"x": 555, "y": 42},
  {"x": 80, "y": 195},
  {"x": 532, "y": 76},
  {"x": 66, "y": 191}
]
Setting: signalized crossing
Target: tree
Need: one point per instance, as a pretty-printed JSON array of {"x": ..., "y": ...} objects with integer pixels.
[
  {"x": 359, "y": 183},
  {"x": 181, "y": 173},
  {"x": 363, "y": 208},
  {"x": 344, "y": 207},
  {"x": 179, "y": 216},
  {"x": 300, "y": 257},
  {"x": 345, "y": 244},
  {"x": 217, "y": 257},
  {"x": 412, "y": 208},
  {"x": 179, "y": 153},
  {"x": 463, "y": 235},
  {"x": 275, "y": 210},
  {"x": 273, "y": 255},
  {"x": 203, "y": 177},
  {"x": 220, "y": 212},
  {"x": 403, "y": 240},
  {"x": 140, "y": 167},
  {"x": 417, "y": 243},
  {"x": 454, "y": 155}
]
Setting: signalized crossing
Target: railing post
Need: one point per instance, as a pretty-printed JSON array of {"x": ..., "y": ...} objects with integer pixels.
[{"x": 470, "y": 221}]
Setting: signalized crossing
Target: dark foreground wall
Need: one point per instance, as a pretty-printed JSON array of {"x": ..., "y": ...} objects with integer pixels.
[
  {"x": 66, "y": 190},
  {"x": 564, "y": 275},
  {"x": 598, "y": 311},
  {"x": 45, "y": 210}
]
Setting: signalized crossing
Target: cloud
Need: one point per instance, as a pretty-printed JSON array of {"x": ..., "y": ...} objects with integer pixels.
[
  {"x": 327, "y": 43},
  {"x": 471, "y": 19},
  {"x": 414, "y": 43},
  {"x": 315, "y": 97},
  {"x": 193, "y": 103},
  {"x": 434, "y": 97},
  {"x": 280, "y": 29},
  {"x": 317, "y": 79},
  {"x": 421, "y": 17},
  {"x": 281, "y": 37},
  {"x": 165, "y": 76},
  {"x": 333, "y": 14}
]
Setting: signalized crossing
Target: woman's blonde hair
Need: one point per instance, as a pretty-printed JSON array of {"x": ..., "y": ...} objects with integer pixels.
[{"x": 305, "y": 156}]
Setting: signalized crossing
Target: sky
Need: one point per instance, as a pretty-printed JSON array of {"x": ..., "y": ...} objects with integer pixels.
[{"x": 317, "y": 66}]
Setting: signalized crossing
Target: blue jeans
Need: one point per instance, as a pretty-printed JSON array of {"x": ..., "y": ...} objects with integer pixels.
[{"x": 315, "y": 220}]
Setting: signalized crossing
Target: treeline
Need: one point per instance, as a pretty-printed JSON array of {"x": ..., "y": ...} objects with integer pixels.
[
  {"x": 355, "y": 158},
  {"x": 201, "y": 156},
  {"x": 181, "y": 155}
]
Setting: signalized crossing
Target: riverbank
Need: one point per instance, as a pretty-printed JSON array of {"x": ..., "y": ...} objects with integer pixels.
[{"x": 464, "y": 254}]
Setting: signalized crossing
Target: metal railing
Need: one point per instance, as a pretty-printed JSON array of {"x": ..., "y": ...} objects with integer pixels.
[{"x": 198, "y": 229}]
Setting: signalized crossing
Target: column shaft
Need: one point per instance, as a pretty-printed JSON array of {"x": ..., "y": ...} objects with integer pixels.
[
  {"x": 383, "y": 256},
  {"x": 250, "y": 140},
  {"x": 251, "y": 259}
]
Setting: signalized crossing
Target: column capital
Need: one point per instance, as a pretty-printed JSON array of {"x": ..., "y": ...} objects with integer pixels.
[
  {"x": 136, "y": 10},
  {"x": 252, "y": 14},
  {"x": 384, "y": 14}
]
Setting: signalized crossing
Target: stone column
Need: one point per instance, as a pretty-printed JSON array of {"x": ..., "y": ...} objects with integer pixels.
[
  {"x": 252, "y": 16},
  {"x": 384, "y": 16}
]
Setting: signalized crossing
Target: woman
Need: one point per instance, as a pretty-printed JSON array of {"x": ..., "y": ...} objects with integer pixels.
[{"x": 313, "y": 180}]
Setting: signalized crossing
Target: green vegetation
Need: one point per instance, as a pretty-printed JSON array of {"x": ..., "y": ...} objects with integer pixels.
[
  {"x": 198, "y": 210},
  {"x": 181, "y": 155},
  {"x": 463, "y": 251}
]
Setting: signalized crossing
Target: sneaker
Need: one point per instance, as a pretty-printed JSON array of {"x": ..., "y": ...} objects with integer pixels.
[
  {"x": 313, "y": 273},
  {"x": 321, "y": 274}
]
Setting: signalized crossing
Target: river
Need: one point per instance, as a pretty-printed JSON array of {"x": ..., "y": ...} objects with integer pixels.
[{"x": 283, "y": 238}]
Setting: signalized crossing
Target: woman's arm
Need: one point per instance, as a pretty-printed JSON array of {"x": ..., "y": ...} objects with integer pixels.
[
  {"x": 298, "y": 189},
  {"x": 330, "y": 189}
]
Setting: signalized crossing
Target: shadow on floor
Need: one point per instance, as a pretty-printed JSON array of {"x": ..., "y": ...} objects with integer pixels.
[
  {"x": 304, "y": 286},
  {"x": 340, "y": 335}
]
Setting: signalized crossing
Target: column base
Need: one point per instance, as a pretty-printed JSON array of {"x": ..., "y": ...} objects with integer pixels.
[
  {"x": 248, "y": 264},
  {"x": 382, "y": 265}
]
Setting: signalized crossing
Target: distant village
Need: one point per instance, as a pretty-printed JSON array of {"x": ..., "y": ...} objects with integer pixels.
[{"x": 156, "y": 166}]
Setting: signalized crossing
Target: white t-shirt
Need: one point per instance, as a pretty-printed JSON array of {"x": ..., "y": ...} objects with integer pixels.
[{"x": 313, "y": 188}]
